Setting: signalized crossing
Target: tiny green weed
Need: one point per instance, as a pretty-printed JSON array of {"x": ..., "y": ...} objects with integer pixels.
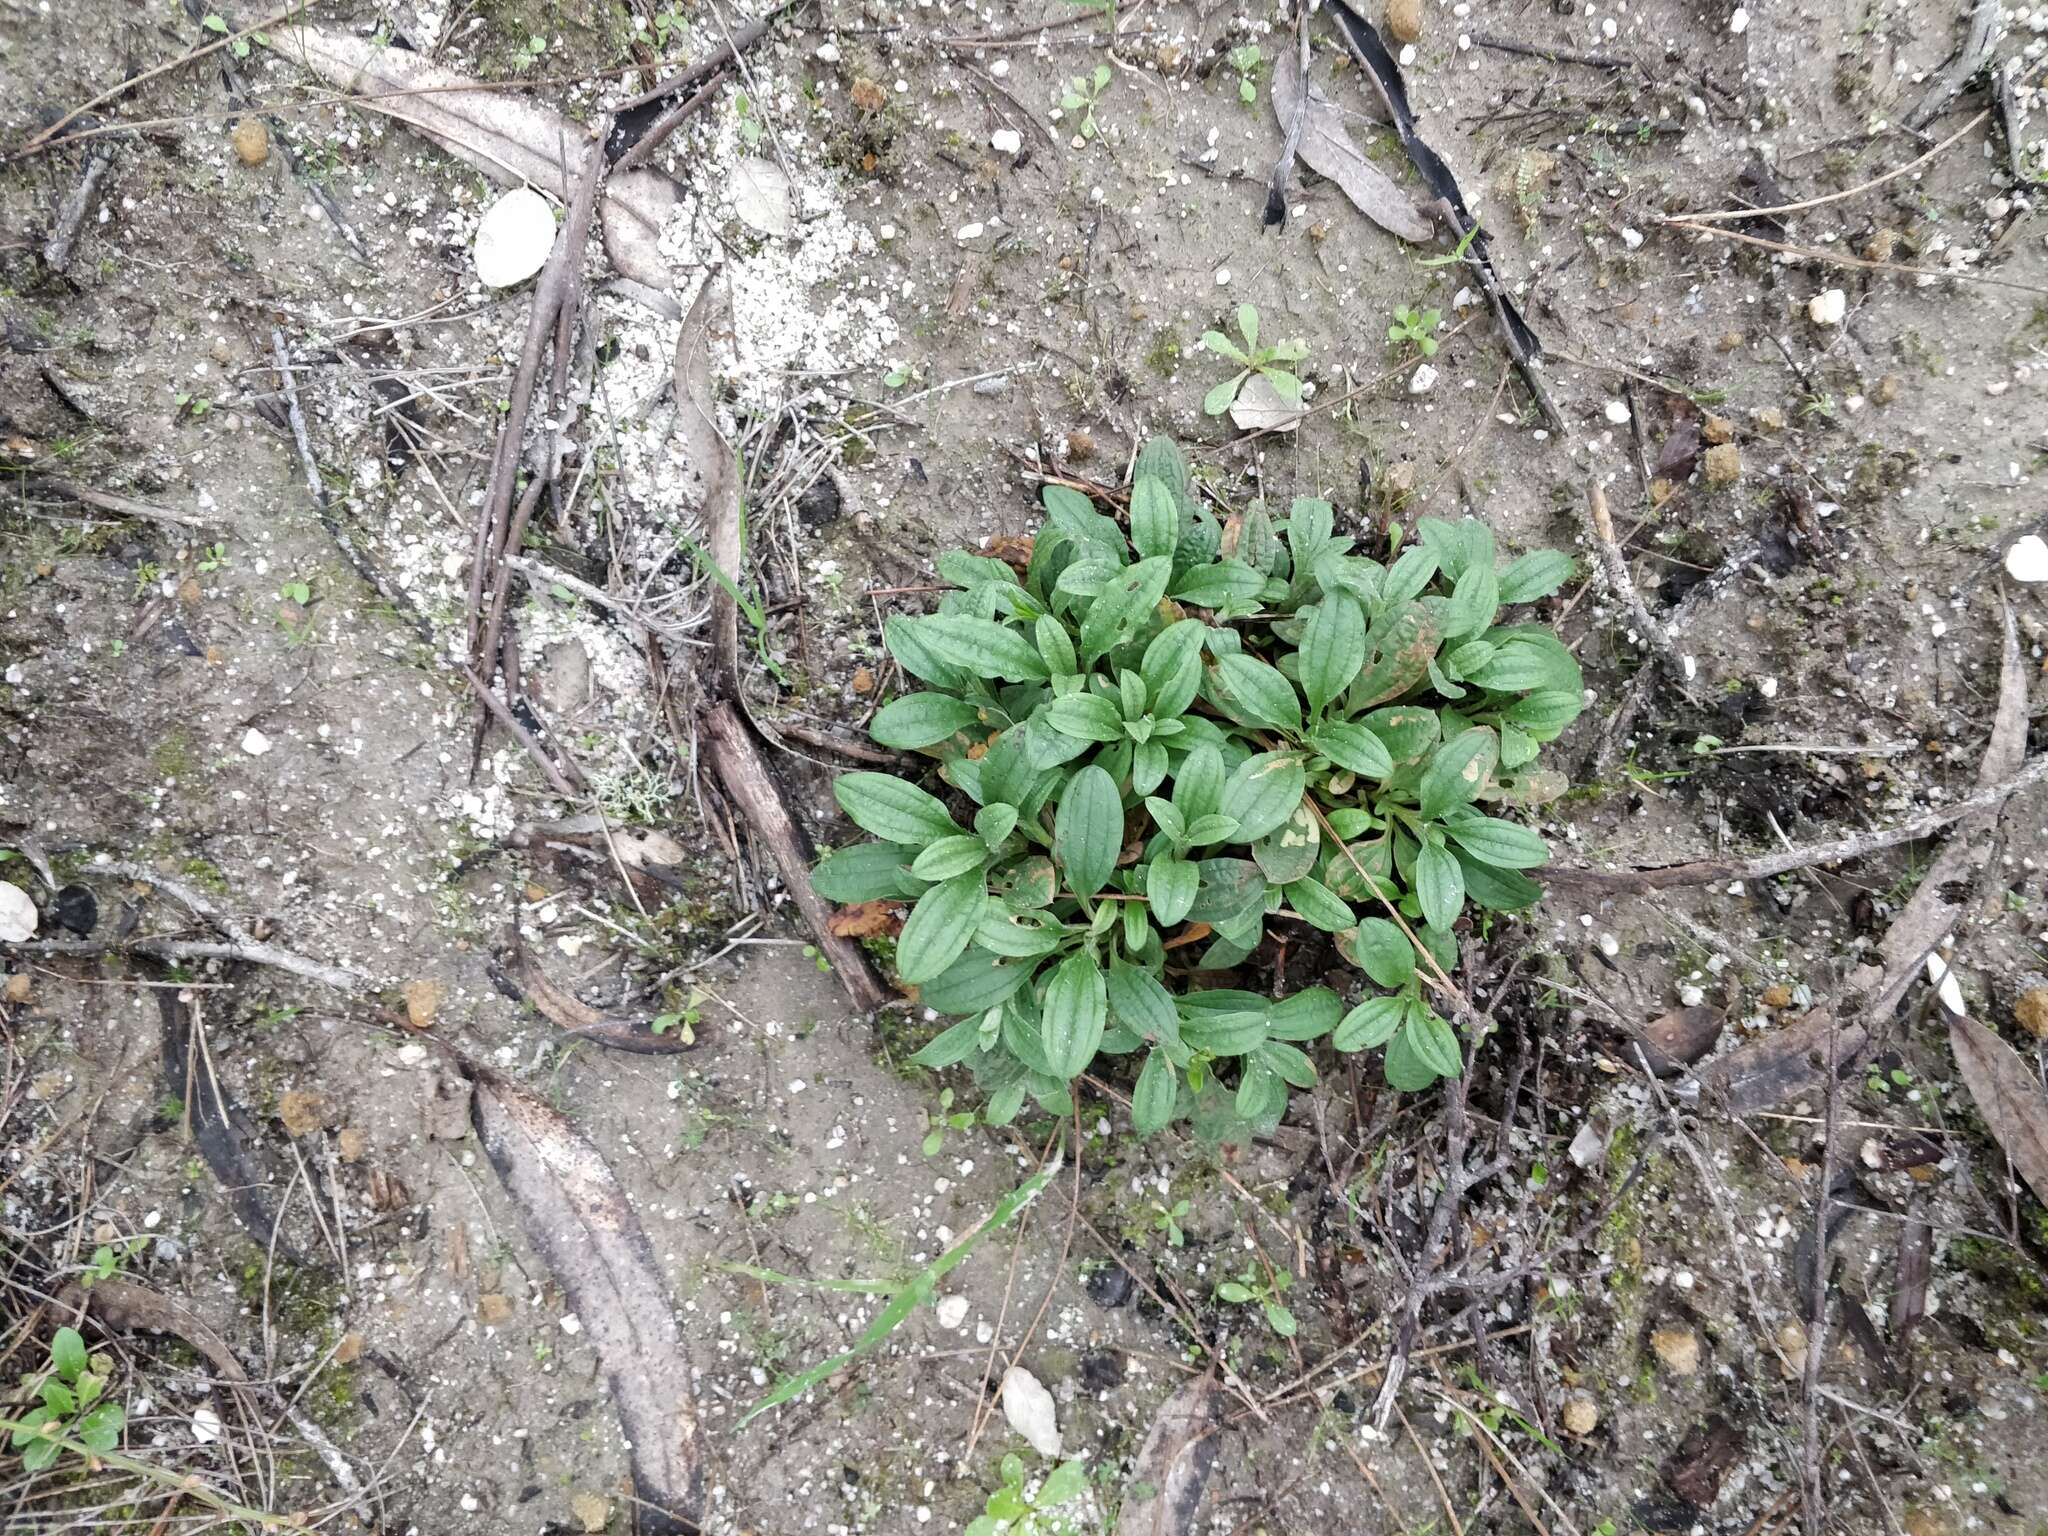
[
  {"x": 1016, "y": 1511},
  {"x": 1246, "y": 61},
  {"x": 71, "y": 1386},
  {"x": 1416, "y": 326},
  {"x": 1252, "y": 1288},
  {"x": 1080, "y": 97},
  {"x": 1252, "y": 358}
]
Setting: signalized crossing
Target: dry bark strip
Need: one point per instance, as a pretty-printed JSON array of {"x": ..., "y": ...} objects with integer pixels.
[
  {"x": 1173, "y": 1464},
  {"x": 711, "y": 457},
  {"x": 189, "y": 1078},
  {"x": 123, "y": 1304},
  {"x": 580, "y": 1221},
  {"x": 744, "y": 776},
  {"x": 2009, "y": 1097},
  {"x": 522, "y": 978}
]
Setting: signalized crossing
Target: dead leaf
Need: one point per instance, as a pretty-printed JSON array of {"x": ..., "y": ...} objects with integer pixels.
[
  {"x": 1327, "y": 150},
  {"x": 648, "y": 849},
  {"x": 17, "y": 989},
  {"x": 122, "y": 1304},
  {"x": 1172, "y": 1469},
  {"x": 351, "y": 1143},
  {"x": 762, "y": 196},
  {"x": 1783, "y": 1065},
  {"x": 302, "y": 1111},
  {"x": 510, "y": 137},
  {"x": 1680, "y": 1038},
  {"x": 522, "y": 978},
  {"x": 867, "y": 920},
  {"x": 422, "y": 998},
  {"x": 2008, "y": 1096},
  {"x": 711, "y": 459},
  {"x": 1259, "y": 407},
  {"x": 579, "y": 1220},
  {"x": 349, "y": 1349},
  {"x": 592, "y": 1511},
  {"x": 189, "y": 1077},
  {"x": 1703, "y": 1460},
  {"x": 493, "y": 1310}
]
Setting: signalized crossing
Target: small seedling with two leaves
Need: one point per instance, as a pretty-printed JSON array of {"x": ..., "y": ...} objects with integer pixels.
[
  {"x": 1252, "y": 358},
  {"x": 72, "y": 1385},
  {"x": 1253, "y": 1288},
  {"x": 1080, "y": 96},
  {"x": 947, "y": 1119},
  {"x": 1168, "y": 1221},
  {"x": 683, "y": 1019},
  {"x": 109, "y": 1259},
  {"x": 1418, "y": 326},
  {"x": 1246, "y": 61},
  {"x": 1017, "y": 1513}
]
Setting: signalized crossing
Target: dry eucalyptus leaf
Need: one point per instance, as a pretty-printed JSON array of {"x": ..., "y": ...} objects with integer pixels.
[
  {"x": 1327, "y": 150},
  {"x": 1166, "y": 1482},
  {"x": 2008, "y": 1096},
  {"x": 762, "y": 197},
  {"x": 18, "y": 917},
  {"x": 1261, "y": 407}
]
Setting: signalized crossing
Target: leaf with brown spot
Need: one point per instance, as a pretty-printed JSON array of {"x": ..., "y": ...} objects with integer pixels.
[
  {"x": 867, "y": 920},
  {"x": 1400, "y": 659},
  {"x": 2008, "y": 1096},
  {"x": 579, "y": 1219}
]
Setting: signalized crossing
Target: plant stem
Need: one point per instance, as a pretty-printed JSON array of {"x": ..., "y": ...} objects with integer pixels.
[{"x": 189, "y": 1485}]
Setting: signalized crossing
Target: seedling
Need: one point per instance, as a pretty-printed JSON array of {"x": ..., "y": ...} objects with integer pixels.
[
  {"x": 238, "y": 46},
  {"x": 1246, "y": 61},
  {"x": 1417, "y": 326},
  {"x": 300, "y": 592},
  {"x": 71, "y": 1385},
  {"x": 1252, "y": 358},
  {"x": 947, "y": 1119},
  {"x": 1081, "y": 95},
  {"x": 1156, "y": 745},
  {"x": 1252, "y": 1288},
  {"x": 1168, "y": 1221},
  {"x": 109, "y": 1259},
  {"x": 215, "y": 557},
  {"x": 1010, "y": 1509},
  {"x": 750, "y": 122},
  {"x": 682, "y": 1020},
  {"x": 529, "y": 55},
  {"x": 1456, "y": 253}
]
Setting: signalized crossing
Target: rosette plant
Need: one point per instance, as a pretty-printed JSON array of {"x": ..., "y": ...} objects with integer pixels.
[{"x": 1153, "y": 745}]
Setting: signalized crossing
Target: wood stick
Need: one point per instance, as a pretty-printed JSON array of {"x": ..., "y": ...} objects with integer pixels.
[
  {"x": 107, "y": 501},
  {"x": 743, "y": 37},
  {"x": 502, "y": 713},
  {"x": 744, "y": 776},
  {"x": 71, "y": 217},
  {"x": 1720, "y": 214},
  {"x": 1600, "y": 526},
  {"x": 1660, "y": 877}
]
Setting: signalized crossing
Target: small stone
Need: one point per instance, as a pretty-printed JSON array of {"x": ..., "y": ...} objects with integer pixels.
[
  {"x": 1616, "y": 412},
  {"x": 1777, "y": 996},
  {"x": 493, "y": 1310},
  {"x": 1029, "y": 1408},
  {"x": 1738, "y": 23},
  {"x": 969, "y": 232},
  {"x": 1717, "y": 429},
  {"x": 1828, "y": 307},
  {"x": 1223, "y": 277},
  {"x": 1888, "y": 389},
  {"x": 1678, "y": 1348},
  {"x": 1404, "y": 20},
  {"x": 351, "y": 1142},
  {"x": 303, "y": 1112},
  {"x": 422, "y": 998},
  {"x": 592, "y": 1511},
  {"x": 254, "y": 742},
  {"x": 513, "y": 238},
  {"x": 2030, "y": 1012},
  {"x": 1423, "y": 380},
  {"x": 1006, "y": 141},
  {"x": 951, "y": 1312},
  {"x": 18, "y": 915},
  {"x": 1581, "y": 1416},
  {"x": 251, "y": 140},
  {"x": 1792, "y": 1346},
  {"x": 349, "y": 1350},
  {"x": 1731, "y": 341},
  {"x": 868, "y": 96},
  {"x": 1723, "y": 463},
  {"x": 1770, "y": 420},
  {"x": 826, "y": 53},
  {"x": 17, "y": 989},
  {"x": 2027, "y": 560}
]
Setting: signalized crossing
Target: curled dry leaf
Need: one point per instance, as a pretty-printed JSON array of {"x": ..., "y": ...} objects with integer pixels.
[
  {"x": 1680, "y": 1038},
  {"x": 2008, "y": 1096},
  {"x": 1172, "y": 1469},
  {"x": 189, "y": 1078},
  {"x": 521, "y": 977},
  {"x": 1327, "y": 150},
  {"x": 579, "y": 1220},
  {"x": 510, "y": 138}
]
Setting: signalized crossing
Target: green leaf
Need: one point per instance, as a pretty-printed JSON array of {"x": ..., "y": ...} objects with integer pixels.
[
  {"x": 38, "y": 1454},
  {"x": 58, "y": 1399},
  {"x": 913, "y": 652},
  {"x": 1074, "y": 513},
  {"x": 1435, "y": 1043},
  {"x": 1230, "y": 1291},
  {"x": 1439, "y": 885},
  {"x": 951, "y": 1046},
  {"x": 1063, "y": 1483},
  {"x": 941, "y": 926},
  {"x": 1257, "y": 692},
  {"x": 1383, "y": 952},
  {"x": 1232, "y": 890},
  {"x": 1332, "y": 649},
  {"x": 1198, "y": 787},
  {"x": 1372, "y": 1023},
  {"x": 1223, "y": 1023},
  {"x": 1204, "y": 830},
  {"x": 1054, "y": 646},
  {"x": 993, "y": 823},
  {"x": 1033, "y": 882},
  {"x": 921, "y": 720},
  {"x": 1088, "y": 831},
  {"x": 1307, "y": 1015},
  {"x": 1280, "y": 1320},
  {"x": 67, "y": 1353},
  {"x": 1153, "y": 1098},
  {"x": 213, "y": 23},
  {"x": 1458, "y": 771},
  {"x": 1290, "y": 1065},
  {"x": 1017, "y": 935},
  {"x": 1167, "y": 818},
  {"x": 1219, "y": 583},
  {"x": 1155, "y": 518},
  {"x": 1172, "y": 667},
  {"x": 892, "y": 810},
  {"x": 1074, "y": 1015},
  {"x": 1498, "y": 890},
  {"x": 1170, "y": 885},
  {"x": 1537, "y": 574},
  {"x": 1474, "y": 601},
  {"x": 1317, "y": 904},
  {"x": 1123, "y": 606},
  {"x": 1217, "y": 401},
  {"x": 1407, "y": 576},
  {"x": 1528, "y": 659},
  {"x": 974, "y": 983},
  {"x": 1263, "y": 792},
  {"x": 948, "y": 857},
  {"x": 1354, "y": 748},
  {"x": 1137, "y": 998},
  {"x": 1502, "y": 844},
  {"x": 982, "y": 647},
  {"x": 1086, "y": 717},
  {"x": 1407, "y": 731},
  {"x": 1291, "y": 850},
  {"x": 1260, "y": 1093},
  {"x": 1401, "y": 655},
  {"x": 1545, "y": 713},
  {"x": 865, "y": 872}
]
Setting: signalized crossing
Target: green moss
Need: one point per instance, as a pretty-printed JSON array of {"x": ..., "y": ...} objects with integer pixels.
[{"x": 174, "y": 756}]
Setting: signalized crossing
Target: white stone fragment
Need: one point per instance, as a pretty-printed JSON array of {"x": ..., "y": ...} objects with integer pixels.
[
  {"x": 2027, "y": 560},
  {"x": 254, "y": 742},
  {"x": 513, "y": 238},
  {"x": 1827, "y": 307},
  {"x": 1029, "y": 1408}
]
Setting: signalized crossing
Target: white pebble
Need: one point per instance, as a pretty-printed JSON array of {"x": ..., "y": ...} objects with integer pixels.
[
  {"x": 1827, "y": 307},
  {"x": 828, "y": 53},
  {"x": 951, "y": 1312},
  {"x": 968, "y": 232},
  {"x": 1617, "y": 412},
  {"x": 1223, "y": 277},
  {"x": 1739, "y": 22},
  {"x": 1029, "y": 1408},
  {"x": 2027, "y": 560},
  {"x": 1610, "y": 946},
  {"x": 1006, "y": 141},
  {"x": 1423, "y": 381},
  {"x": 254, "y": 742}
]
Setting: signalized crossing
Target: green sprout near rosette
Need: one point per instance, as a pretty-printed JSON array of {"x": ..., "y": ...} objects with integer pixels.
[
  {"x": 70, "y": 1410},
  {"x": 1251, "y": 1288},
  {"x": 1018, "y": 1511},
  {"x": 1417, "y": 326},
  {"x": 1252, "y": 358},
  {"x": 1158, "y": 743}
]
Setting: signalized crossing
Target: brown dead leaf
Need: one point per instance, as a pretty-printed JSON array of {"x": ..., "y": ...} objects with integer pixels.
[
  {"x": 2008, "y": 1096},
  {"x": 863, "y": 681},
  {"x": 1166, "y": 1482},
  {"x": 1013, "y": 550},
  {"x": 422, "y": 999},
  {"x": 867, "y": 920},
  {"x": 1327, "y": 149},
  {"x": 493, "y": 1310},
  {"x": 351, "y": 1143},
  {"x": 17, "y": 989},
  {"x": 868, "y": 96},
  {"x": 1680, "y": 1038},
  {"x": 592, "y": 1511},
  {"x": 349, "y": 1350},
  {"x": 302, "y": 1111}
]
